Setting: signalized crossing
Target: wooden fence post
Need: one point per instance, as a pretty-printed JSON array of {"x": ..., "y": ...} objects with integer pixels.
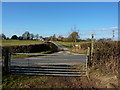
[
  {"x": 7, "y": 62},
  {"x": 88, "y": 56}
]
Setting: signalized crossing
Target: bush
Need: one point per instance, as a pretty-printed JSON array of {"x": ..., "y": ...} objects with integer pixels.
[
  {"x": 30, "y": 48},
  {"x": 105, "y": 56}
]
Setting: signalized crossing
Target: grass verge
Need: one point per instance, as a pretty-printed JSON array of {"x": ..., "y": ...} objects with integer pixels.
[
  {"x": 69, "y": 45},
  {"x": 22, "y": 56},
  {"x": 23, "y": 81}
]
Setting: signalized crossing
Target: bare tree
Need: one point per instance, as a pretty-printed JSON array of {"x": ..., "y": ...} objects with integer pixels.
[{"x": 3, "y": 36}]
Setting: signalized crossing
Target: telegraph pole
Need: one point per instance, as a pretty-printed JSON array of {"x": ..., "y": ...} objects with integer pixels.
[
  {"x": 75, "y": 31},
  {"x": 113, "y": 34}
]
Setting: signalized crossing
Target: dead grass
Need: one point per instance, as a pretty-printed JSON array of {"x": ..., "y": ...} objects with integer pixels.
[
  {"x": 105, "y": 57},
  {"x": 80, "y": 51},
  {"x": 103, "y": 79}
]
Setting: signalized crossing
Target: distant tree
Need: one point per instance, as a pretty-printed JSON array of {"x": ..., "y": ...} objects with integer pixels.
[
  {"x": 73, "y": 36},
  {"x": 65, "y": 40},
  {"x": 31, "y": 36},
  {"x": 47, "y": 38},
  {"x": 51, "y": 38},
  {"x": 37, "y": 36},
  {"x": 54, "y": 37},
  {"x": 14, "y": 37},
  {"x": 3, "y": 36},
  {"x": 20, "y": 38},
  {"x": 41, "y": 37},
  {"x": 60, "y": 38},
  {"x": 26, "y": 35},
  {"x": 101, "y": 39},
  {"x": 88, "y": 39},
  {"x": 82, "y": 40},
  {"x": 109, "y": 39},
  {"x": 7, "y": 38},
  {"x": 104, "y": 39}
]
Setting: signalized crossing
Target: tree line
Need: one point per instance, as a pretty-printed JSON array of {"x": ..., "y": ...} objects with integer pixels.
[
  {"x": 72, "y": 37},
  {"x": 25, "y": 36}
]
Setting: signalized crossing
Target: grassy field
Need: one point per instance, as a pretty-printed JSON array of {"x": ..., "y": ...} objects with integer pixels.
[
  {"x": 28, "y": 42},
  {"x": 19, "y": 42},
  {"x": 69, "y": 45},
  {"x": 21, "y": 56}
]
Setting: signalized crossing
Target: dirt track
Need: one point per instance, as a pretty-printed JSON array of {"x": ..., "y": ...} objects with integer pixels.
[{"x": 66, "y": 82}]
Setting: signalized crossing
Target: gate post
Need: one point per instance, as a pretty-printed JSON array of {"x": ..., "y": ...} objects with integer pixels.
[
  {"x": 92, "y": 44},
  {"x": 88, "y": 57},
  {"x": 7, "y": 61},
  {"x": 92, "y": 48}
]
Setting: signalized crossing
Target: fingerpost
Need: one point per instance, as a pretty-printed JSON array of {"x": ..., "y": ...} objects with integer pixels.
[{"x": 92, "y": 46}]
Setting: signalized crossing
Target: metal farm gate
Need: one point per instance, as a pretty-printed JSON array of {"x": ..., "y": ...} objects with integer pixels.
[{"x": 47, "y": 64}]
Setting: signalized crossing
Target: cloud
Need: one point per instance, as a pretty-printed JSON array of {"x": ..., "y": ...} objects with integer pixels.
[
  {"x": 85, "y": 34},
  {"x": 106, "y": 29}
]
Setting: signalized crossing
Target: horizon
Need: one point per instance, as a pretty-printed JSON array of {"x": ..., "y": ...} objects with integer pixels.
[{"x": 48, "y": 18}]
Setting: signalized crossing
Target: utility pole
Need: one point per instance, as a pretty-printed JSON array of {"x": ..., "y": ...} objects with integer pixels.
[
  {"x": 74, "y": 38},
  {"x": 113, "y": 34}
]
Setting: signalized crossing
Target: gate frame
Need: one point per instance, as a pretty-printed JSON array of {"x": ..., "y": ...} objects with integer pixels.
[{"x": 7, "y": 60}]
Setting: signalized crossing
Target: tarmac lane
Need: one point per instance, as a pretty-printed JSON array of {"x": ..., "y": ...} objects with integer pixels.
[{"x": 52, "y": 59}]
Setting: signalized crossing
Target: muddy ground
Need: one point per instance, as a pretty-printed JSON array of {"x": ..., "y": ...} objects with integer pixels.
[{"x": 92, "y": 82}]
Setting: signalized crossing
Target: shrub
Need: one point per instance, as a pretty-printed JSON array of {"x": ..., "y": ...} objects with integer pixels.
[{"x": 105, "y": 56}]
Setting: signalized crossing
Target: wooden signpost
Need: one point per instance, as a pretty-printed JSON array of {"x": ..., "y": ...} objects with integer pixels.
[{"x": 92, "y": 47}]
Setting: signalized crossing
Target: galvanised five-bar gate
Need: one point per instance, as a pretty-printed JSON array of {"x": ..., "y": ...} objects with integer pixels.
[{"x": 49, "y": 64}]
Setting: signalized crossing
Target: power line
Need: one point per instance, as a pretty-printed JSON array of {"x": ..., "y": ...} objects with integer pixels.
[{"x": 113, "y": 34}]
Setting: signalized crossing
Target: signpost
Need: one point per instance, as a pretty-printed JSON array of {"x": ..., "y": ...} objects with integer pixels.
[{"x": 92, "y": 46}]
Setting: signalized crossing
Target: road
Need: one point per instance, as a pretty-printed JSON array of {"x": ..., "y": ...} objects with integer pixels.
[
  {"x": 54, "y": 64},
  {"x": 63, "y": 57},
  {"x": 53, "y": 59}
]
